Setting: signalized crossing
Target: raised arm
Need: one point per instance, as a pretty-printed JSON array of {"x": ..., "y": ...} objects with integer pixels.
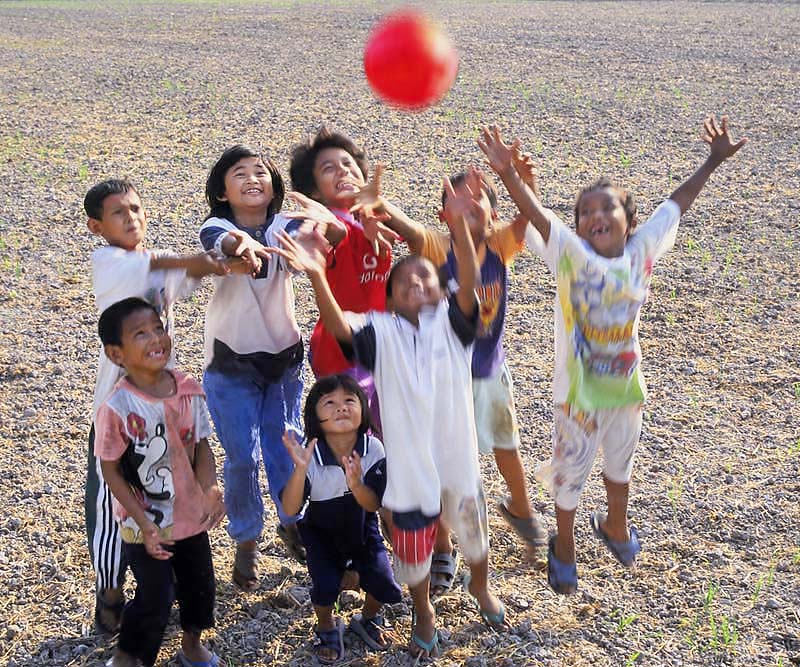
[
  {"x": 196, "y": 266},
  {"x": 459, "y": 205},
  {"x": 501, "y": 159},
  {"x": 312, "y": 261},
  {"x": 371, "y": 204},
  {"x": 292, "y": 494},
  {"x": 722, "y": 147}
]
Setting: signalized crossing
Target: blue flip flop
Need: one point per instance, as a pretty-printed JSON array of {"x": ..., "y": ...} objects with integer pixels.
[
  {"x": 429, "y": 649},
  {"x": 562, "y": 577},
  {"x": 495, "y": 620},
  {"x": 185, "y": 662},
  {"x": 624, "y": 552}
]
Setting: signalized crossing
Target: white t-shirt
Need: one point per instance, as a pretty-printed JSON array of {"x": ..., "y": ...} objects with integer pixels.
[
  {"x": 423, "y": 377},
  {"x": 251, "y": 314},
  {"x": 119, "y": 274},
  {"x": 597, "y": 307}
]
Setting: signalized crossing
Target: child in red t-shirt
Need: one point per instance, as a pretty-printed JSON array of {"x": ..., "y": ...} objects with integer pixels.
[{"x": 331, "y": 169}]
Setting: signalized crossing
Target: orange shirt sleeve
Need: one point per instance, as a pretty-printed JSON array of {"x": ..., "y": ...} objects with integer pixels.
[
  {"x": 503, "y": 243},
  {"x": 435, "y": 245}
]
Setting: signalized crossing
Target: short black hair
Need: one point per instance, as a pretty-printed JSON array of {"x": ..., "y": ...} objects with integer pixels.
[
  {"x": 628, "y": 203},
  {"x": 325, "y": 385},
  {"x": 486, "y": 183},
  {"x": 109, "y": 327},
  {"x": 304, "y": 155},
  {"x": 93, "y": 201},
  {"x": 215, "y": 183}
]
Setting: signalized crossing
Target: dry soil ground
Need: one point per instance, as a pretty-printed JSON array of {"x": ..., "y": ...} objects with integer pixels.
[{"x": 156, "y": 90}]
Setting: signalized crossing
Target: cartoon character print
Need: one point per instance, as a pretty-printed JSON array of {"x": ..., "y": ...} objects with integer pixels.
[{"x": 146, "y": 466}]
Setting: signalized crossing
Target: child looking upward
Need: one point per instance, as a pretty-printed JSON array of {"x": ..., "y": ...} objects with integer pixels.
[
  {"x": 124, "y": 268},
  {"x": 341, "y": 472},
  {"x": 493, "y": 399},
  {"x": 603, "y": 270},
  {"x": 331, "y": 169},
  {"x": 152, "y": 444},
  {"x": 420, "y": 354}
]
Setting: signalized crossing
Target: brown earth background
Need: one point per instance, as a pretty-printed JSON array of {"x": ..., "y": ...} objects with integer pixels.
[{"x": 156, "y": 90}]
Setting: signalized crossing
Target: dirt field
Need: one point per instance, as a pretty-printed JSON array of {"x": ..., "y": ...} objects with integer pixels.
[{"x": 156, "y": 90}]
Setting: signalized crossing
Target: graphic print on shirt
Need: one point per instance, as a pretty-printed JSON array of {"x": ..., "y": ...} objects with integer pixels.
[
  {"x": 148, "y": 466},
  {"x": 600, "y": 308},
  {"x": 489, "y": 297}
]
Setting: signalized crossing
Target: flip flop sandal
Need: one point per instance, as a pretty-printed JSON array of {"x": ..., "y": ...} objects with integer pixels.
[
  {"x": 443, "y": 572},
  {"x": 427, "y": 649},
  {"x": 371, "y": 631},
  {"x": 333, "y": 640},
  {"x": 495, "y": 620},
  {"x": 562, "y": 577},
  {"x": 103, "y": 611},
  {"x": 245, "y": 568},
  {"x": 624, "y": 552},
  {"x": 529, "y": 531},
  {"x": 290, "y": 536},
  {"x": 183, "y": 661}
]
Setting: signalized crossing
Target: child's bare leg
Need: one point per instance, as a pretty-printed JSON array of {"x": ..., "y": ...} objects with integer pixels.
[
  {"x": 425, "y": 622},
  {"x": 192, "y": 648},
  {"x": 371, "y": 607},
  {"x": 565, "y": 540},
  {"x": 509, "y": 464},
  {"x": 492, "y": 610},
  {"x": 324, "y": 617},
  {"x": 616, "y": 524},
  {"x": 443, "y": 543}
]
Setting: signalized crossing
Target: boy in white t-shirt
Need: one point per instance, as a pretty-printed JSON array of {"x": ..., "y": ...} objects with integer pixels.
[
  {"x": 124, "y": 268},
  {"x": 420, "y": 354},
  {"x": 603, "y": 271}
]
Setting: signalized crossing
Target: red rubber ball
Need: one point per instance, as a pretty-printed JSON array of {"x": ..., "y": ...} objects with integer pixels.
[{"x": 409, "y": 62}]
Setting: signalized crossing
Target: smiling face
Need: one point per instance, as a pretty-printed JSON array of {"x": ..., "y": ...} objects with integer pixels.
[
  {"x": 145, "y": 346},
  {"x": 248, "y": 186},
  {"x": 337, "y": 177},
  {"x": 603, "y": 221},
  {"x": 339, "y": 412},
  {"x": 123, "y": 221},
  {"x": 414, "y": 283}
]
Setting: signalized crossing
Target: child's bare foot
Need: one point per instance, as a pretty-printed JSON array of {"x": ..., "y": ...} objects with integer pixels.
[{"x": 491, "y": 609}]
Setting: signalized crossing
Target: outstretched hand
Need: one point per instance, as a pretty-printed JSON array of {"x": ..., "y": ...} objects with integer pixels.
[
  {"x": 523, "y": 163},
  {"x": 301, "y": 456},
  {"x": 352, "y": 469},
  {"x": 308, "y": 256},
  {"x": 370, "y": 209},
  {"x": 313, "y": 211},
  {"x": 250, "y": 250},
  {"x": 462, "y": 204},
  {"x": 719, "y": 139},
  {"x": 499, "y": 155}
]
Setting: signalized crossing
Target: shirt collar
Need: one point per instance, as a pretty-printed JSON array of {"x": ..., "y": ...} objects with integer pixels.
[{"x": 326, "y": 457}]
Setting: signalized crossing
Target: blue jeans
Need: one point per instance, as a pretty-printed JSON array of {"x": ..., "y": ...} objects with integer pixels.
[{"x": 250, "y": 419}]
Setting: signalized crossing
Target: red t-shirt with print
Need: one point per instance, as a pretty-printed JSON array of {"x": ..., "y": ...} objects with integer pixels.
[{"x": 357, "y": 277}]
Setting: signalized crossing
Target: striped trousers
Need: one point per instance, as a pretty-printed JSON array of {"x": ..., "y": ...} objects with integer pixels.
[{"x": 102, "y": 532}]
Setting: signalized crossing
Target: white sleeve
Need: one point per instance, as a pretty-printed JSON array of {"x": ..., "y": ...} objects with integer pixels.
[
  {"x": 657, "y": 236},
  {"x": 118, "y": 274},
  {"x": 551, "y": 250}
]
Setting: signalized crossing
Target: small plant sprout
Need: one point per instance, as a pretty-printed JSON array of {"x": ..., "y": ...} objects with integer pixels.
[
  {"x": 632, "y": 658},
  {"x": 796, "y": 387}
]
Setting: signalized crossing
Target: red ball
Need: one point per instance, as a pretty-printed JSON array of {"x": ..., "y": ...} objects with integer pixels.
[{"x": 409, "y": 62}]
